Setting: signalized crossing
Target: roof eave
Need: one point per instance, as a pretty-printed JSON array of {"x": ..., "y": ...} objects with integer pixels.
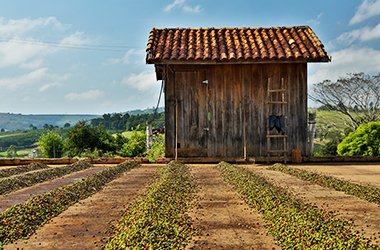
[{"x": 212, "y": 62}]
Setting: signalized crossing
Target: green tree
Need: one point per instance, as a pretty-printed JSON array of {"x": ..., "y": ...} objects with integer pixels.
[
  {"x": 365, "y": 141},
  {"x": 84, "y": 138},
  {"x": 135, "y": 145},
  {"x": 51, "y": 145},
  {"x": 32, "y": 127}
]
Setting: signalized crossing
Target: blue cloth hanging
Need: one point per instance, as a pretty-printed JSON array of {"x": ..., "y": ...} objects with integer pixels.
[{"x": 277, "y": 122}]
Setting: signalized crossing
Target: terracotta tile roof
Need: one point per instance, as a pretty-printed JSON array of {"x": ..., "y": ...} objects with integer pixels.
[{"x": 188, "y": 45}]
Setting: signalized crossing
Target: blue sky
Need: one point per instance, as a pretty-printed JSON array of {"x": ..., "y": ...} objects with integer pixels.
[{"x": 86, "y": 56}]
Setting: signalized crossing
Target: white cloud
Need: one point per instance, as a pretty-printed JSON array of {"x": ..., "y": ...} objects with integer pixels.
[
  {"x": 131, "y": 56},
  {"x": 48, "y": 86},
  {"x": 174, "y": 4},
  {"x": 87, "y": 95},
  {"x": 33, "y": 64},
  {"x": 368, "y": 9},
  {"x": 350, "y": 60},
  {"x": 18, "y": 54},
  {"x": 17, "y": 27},
  {"x": 181, "y": 4},
  {"x": 19, "y": 48},
  {"x": 75, "y": 39},
  {"x": 14, "y": 83},
  {"x": 192, "y": 9},
  {"x": 143, "y": 81},
  {"x": 362, "y": 34}
]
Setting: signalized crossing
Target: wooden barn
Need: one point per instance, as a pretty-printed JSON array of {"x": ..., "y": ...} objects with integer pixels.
[{"x": 235, "y": 93}]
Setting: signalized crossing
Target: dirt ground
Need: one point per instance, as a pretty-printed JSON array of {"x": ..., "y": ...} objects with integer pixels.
[
  {"x": 226, "y": 222},
  {"x": 84, "y": 225},
  {"x": 365, "y": 215},
  {"x": 356, "y": 173},
  {"x": 22, "y": 195},
  {"x": 33, "y": 171}
]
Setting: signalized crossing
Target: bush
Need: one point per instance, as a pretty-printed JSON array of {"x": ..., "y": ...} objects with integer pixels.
[
  {"x": 365, "y": 141},
  {"x": 157, "y": 149},
  {"x": 135, "y": 145},
  {"x": 328, "y": 149},
  {"x": 83, "y": 138},
  {"x": 51, "y": 145}
]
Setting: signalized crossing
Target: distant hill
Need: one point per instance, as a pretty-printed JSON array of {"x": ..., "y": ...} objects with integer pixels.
[
  {"x": 11, "y": 122},
  {"x": 145, "y": 111}
]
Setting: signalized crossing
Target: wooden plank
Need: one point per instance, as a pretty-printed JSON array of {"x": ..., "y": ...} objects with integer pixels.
[
  {"x": 277, "y": 90},
  {"x": 169, "y": 113},
  {"x": 276, "y": 136},
  {"x": 232, "y": 106}
]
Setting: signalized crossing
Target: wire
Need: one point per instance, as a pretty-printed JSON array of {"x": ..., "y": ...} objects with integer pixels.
[
  {"x": 159, "y": 97},
  {"x": 70, "y": 45}
]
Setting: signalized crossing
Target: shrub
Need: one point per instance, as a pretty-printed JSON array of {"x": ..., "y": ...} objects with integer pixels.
[
  {"x": 365, "y": 141},
  {"x": 157, "y": 149},
  {"x": 135, "y": 145},
  {"x": 51, "y": 145},
  {"x": 83, "y": 138},
  {"x": 328, "y": 149}
]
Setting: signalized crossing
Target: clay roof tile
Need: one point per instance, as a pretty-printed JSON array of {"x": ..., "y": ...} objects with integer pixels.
[{"x": 296, "y": 43}]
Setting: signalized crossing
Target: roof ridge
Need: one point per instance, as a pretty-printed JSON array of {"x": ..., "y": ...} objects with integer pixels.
[{"x": 231, "y": 28}]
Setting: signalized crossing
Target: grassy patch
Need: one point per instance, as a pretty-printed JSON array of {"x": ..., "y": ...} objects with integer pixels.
[
  {"x": 157, "y": 220},
  {"x": 294, "y": 224}
]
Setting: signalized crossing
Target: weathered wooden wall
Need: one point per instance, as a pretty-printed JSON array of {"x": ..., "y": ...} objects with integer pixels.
[{"x": 217, "y": 118}]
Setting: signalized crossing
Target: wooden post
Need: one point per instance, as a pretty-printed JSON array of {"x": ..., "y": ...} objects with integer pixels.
[
  {"x": 149, "y": 135},
  {"x": 269, "y": 99},
  {"x": 176, "y": 129},
  {"x": 312, "y": 130},
  {"x": 244, "y": 137}
]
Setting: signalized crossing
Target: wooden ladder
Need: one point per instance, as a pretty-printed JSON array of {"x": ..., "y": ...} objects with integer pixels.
[{"x": 277, "y": 101}]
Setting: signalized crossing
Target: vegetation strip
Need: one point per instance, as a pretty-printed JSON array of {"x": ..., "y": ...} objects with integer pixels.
[
  {"x": 157, "y": 220},
  {"x": 22, "y": 220},
  {"x": 18, "y": 182},
  {"x": 294, "y": 224},
  {"x": 371, "y": 194},
  {"x": 21, "y": 169}
]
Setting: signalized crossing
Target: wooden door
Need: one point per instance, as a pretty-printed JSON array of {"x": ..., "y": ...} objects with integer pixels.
[{"x": 191, "y": 113}]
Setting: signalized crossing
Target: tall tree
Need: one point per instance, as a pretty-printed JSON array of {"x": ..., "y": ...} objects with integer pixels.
[
  {"x": 51, "y": 145},
  {"x": 83, "y": 137},
  {"x": 357, "y": 96}
]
